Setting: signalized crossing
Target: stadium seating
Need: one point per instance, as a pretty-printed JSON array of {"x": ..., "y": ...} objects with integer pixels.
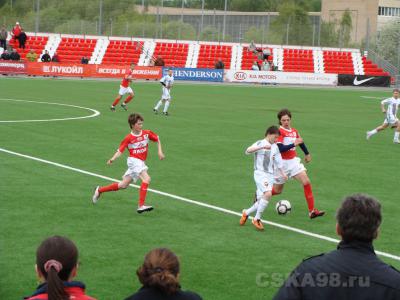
[
  {"x": 209, "y": 54},
  {"x": 173, "y": 54},
  {"x": 338, "y": 62},
  {"x": 123, "y": 52},
  {"x": 298, "y": 60},
  {"x": 248, "y": 58},
  {"x": 37, "y": 43},
  {"x": 372, "y": 69},
  {"x": 71, "y": 50}
]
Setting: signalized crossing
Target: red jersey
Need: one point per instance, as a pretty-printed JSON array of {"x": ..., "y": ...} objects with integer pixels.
[
  {"x": 287, "y": 137},
  {"x": 138, "y": 144},
  {"x": 125, "y": 82}
]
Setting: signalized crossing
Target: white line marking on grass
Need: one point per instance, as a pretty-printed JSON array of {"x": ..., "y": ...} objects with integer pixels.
[
  {"x": 371, "y": 97},
  {"x": 94, "y": 114},
  {"x": 217, "y": 208}
]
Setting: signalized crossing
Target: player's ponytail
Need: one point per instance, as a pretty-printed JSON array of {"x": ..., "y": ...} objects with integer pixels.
[
  {"x": 160, "y": 270},
  {"x": 56, "y": 258}
]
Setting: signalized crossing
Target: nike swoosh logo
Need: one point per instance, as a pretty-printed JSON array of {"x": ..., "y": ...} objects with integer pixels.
[{"x": 358, "y": 82}]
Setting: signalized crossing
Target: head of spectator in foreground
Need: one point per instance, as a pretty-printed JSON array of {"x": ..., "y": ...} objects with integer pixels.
[
  {"x": 359, "y": 218},
  {"x": 160, "y": 270},
  {"x": 56, "y": 261}
]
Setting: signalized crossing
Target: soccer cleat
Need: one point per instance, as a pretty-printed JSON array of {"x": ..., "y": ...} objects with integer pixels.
[
  {"x": 396, "y": 141},
  {"x": 243, "y": 219},
  {"x": 155, "y": 111},
  {"x": 96, "y": 195},
  {"x": 316, "y": 213},
  {"x": 112, "y": 108},
  {"x": 143, "y": 208},
  {"x": 368, "y": 135},
  {"x": 123, "y": 105},
  {"x": 258, "y": 224},
  {"x": 165, "y": 113}
]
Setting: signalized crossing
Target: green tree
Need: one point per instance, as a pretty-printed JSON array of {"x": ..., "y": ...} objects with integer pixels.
[{"x": 345, "y": 28}]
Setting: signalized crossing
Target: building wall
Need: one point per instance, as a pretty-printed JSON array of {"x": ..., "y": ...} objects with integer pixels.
[{"x": 361, "y": 12}]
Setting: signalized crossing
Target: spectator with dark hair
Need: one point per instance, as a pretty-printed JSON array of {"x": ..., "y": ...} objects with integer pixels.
[
  {"x": 159, "y": 62},
  {"x": 219, "y": 64},
  {"x": 266, "y": 53},
  {"x": 31, "y": 56},
  {"x": 255, "y": 66},
  {"x": 16, "y": 31},
  {"x": 353, "y": 271},
  {"x": 3, "y": 37},
  {"x": 15, "y": 55},
  {"x": 56, "y": 266},
  {"x": 5, "y": 55},
  {"x": 55, "y": 58},
  {"x": 22, "y": 39},
  {"x": 159, "y": 276},
  {"x": 84, "y": 60},
  {"x": 46, "y": 57}
]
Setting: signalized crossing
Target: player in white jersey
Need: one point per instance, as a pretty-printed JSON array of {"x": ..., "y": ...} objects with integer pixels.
[
  {"x": 167, "y": 81},
  {"x": 267, "y": 162},
  {"x": 389, "y": 107}
]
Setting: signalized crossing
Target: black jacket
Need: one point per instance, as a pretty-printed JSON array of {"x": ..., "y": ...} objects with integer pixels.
[
  {"x": 45, "y": 58},
  {"x": 146, "y": 293},
  {"x": 353, "y": 271},
  {"x": 5, "y": 56},
  {"x": 15, "y": 56},
  {"x": 22, "y": 37}
]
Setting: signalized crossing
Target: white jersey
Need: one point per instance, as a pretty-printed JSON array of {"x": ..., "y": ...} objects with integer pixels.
[
  {"x": 267, "y": 160},
  {"x": 392, "y": 107},
  {"x": 167, "y": 80}
]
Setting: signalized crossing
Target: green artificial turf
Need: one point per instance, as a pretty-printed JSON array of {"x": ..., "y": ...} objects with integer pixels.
[{"x": 204, "y": 140}]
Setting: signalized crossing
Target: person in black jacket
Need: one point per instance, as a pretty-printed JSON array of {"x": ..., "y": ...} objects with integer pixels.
[
  {"x": 5, "y": 55},
  {"x": 22, "y": 39},
  {"x": 159, "y": 276},
  {"x": 353, "y": 271},
  {"x": 15, "y": 55},
  {"x": 46, "y": 57}
]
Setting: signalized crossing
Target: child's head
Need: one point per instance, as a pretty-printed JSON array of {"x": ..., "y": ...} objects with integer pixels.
[
  {"x": 135, "y": 121},
  {"x": 56, "y": 261}
]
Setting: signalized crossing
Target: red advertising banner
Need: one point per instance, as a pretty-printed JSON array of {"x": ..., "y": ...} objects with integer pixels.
[
  {"x": 103, "y": 71},
  {"x": 12, "y": 67}
]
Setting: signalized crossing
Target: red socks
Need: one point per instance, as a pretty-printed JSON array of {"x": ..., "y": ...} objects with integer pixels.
[
  {"x": 128, "y": 99},
  {"x": 274, "y": 192},
  {"x": 109, "y": 188},
  {"x": 116, "y": 101},
  {"x": 309, "y": 196},
  {"x": 142, "y": 193}
]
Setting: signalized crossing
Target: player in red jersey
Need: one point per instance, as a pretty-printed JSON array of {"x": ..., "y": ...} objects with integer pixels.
[
  {"x": 124, "y": 88},
  {"x": 287, "y": 141},
  {"x": 137, "y": 143}
]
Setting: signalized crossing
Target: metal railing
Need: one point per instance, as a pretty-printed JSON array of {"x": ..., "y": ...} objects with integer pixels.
[{"x": 383, "y": 64}]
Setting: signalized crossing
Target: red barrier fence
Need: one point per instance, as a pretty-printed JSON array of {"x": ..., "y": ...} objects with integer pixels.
[{"x": 77, "y": 70}]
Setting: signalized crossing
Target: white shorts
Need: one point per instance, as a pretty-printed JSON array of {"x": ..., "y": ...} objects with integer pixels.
[
  {"x": 166, "y": 94},
  {"x": 125, "y": 90},
  {"x": 391, "y": 120},
  {"x": 264, "y": 182},
  {"x": 291, "y": 167},
  {"x": 135, "y": 167}
]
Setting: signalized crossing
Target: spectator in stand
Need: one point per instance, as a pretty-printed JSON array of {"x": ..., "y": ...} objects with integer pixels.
[
  {"x": 266, "y": 53},
  {"x": 31, "y": 56},
  {"x": 84, "y": 60},
  {"x": 159, "y": 62},
  {"x": 219, "y": 64},
  {"x": 255, "y": 66},
  {"x": 46, "y": 57},
  {"x": 265, "y": 65},
  {"x": 159, "y": 276},
  {"x": 5, "y": 55},
  {"x": 3, "y": 37},
  {"x": 15, "y": 55},
  {"x": 16, "y": 31},
  {"x": 56, "y": 266},
  {"x": 55, "y": 58},
  {"x": 353, "y": 271},
  {"x": 22, "y": 39}
]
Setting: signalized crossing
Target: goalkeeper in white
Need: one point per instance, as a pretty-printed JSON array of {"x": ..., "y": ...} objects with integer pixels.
[{"x": 167, "y": 81}]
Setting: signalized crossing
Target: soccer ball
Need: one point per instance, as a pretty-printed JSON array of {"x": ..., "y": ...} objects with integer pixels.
[{"x": 283, "y": 207}]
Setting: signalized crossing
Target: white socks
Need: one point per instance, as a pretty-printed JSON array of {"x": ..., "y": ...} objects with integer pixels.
[
  {"x": 252, "y": 209},
  {"x": 166, "y": 106},
  {"x": 372, "y": 132},
  {"x": 262, "y": 205},
  {"x": 158, "y": 105},
  {"x": 396, "y": 136}
]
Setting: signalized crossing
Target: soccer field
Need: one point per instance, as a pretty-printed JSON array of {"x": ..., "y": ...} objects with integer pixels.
[{"x": 204, "y": 140}]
